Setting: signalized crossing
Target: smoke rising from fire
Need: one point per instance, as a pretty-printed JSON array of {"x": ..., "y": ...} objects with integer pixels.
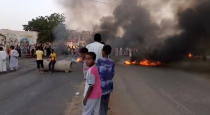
[
  {"x": 84, "y": 14},
  {"x": 142, "y": 24},
  {"x": 195, "y": 25},
  {"x": 164, "y": 30},
  {"x": 60, "y": 35}
]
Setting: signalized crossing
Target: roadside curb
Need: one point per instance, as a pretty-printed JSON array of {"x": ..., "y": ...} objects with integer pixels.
[{"x": 75, "y": 108}]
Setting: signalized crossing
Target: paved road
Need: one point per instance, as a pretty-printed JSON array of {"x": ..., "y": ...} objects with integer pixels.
[
  {"x": 160, "y": 91},
  {"x": 28, "y": 92}
]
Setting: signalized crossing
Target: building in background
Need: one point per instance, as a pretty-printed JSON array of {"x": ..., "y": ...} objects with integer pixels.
[
  {"x": 17, "y": 37},
  {"x": 21, "y": 39}
]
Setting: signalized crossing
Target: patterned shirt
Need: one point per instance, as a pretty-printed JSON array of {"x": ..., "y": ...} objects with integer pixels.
[{"x": 106, "y": 69}]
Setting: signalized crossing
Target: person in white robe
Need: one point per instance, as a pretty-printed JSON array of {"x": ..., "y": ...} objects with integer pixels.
[
  {"x": 3, "y": 57},
  {"x": 13, "y": 62},
  {"x": 96, "y": 46}
]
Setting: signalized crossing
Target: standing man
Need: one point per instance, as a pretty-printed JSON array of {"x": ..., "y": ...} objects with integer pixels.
[
  {"x": 3, "y": 57},
  {"x": 53, "y": 58},
  {"x": 96, "y": 46},
  {"x": 39, "y": 59},
  {"x": 13, "y": 62}
]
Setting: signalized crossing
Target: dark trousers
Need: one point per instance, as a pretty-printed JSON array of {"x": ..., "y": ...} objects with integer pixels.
[
  {"x": 40, "y": 64},
  {"x": 52, "y": 66},
  {"x": 104, "y": 107}
]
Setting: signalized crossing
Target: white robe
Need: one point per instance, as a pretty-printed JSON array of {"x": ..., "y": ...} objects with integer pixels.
[
  {"x": 3, "y": 64},
  {"x": 13, "y": 63}
]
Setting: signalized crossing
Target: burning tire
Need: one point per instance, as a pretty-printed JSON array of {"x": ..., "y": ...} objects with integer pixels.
[{"x": 60, "y": 66}]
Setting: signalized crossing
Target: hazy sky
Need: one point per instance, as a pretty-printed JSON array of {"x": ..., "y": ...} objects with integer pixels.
[{"x": 15, "y": 13}]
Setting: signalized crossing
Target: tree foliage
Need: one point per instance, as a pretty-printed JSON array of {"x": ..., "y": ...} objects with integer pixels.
[{"x": 44, "y": 25}]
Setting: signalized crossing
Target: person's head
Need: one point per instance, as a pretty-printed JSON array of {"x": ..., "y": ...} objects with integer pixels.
[
  {"x": 90, "y": 58},
  {"x": 106, "y": 51},
  {"x": 12, "y": 47},
  {"x": 83, "y": 51},
  {"x": 1, "y": 48},
  {"x": 97, "y": 37}
]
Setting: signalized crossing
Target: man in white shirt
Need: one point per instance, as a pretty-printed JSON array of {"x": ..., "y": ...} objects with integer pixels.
[
  {"x": 3, "y": 57},
  {"x": 13, "y": 63},
  {"x": 96, "y": 46}
]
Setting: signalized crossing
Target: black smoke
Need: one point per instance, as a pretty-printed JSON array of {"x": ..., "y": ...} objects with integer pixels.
[
  {"x": 139, "y": 31},
  {"x": 133, "y": 21},
  {"x": 60, "y": 35},
  {"x": 195, "y": 25}
]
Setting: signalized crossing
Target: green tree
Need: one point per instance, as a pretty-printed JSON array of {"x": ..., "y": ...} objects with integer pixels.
[{"x": 44, "y": 25}]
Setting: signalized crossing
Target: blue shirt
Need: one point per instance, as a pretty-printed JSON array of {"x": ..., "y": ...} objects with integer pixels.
[{"x": 106, "y": 68}]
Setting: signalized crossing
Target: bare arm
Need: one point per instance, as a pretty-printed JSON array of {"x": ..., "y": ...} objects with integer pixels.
[{"x": 91, "y": 82}]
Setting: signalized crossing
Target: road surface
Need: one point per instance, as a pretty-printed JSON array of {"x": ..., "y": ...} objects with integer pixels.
[
  {"x": 28, "y": 92},
  {"x": 159, "y": 91}
]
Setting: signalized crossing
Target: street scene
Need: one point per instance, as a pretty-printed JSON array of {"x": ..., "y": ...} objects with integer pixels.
[
  {"x": 27, "y": 92},
  {"x": 105, "y": 57}
]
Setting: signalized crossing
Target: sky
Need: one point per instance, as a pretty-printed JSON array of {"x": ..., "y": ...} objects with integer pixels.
[{"x": 15, "y": 13}]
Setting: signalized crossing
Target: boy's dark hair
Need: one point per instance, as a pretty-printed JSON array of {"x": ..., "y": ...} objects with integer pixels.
[
  {"x": 83, "y": 50},
  {"x": 97, "y": 37},
  {"x": 92, "y": 54},
  {"x": 1, "y": 48},
  {"x": 12, "y": 47},
  {"x": 107, "y": 49}
]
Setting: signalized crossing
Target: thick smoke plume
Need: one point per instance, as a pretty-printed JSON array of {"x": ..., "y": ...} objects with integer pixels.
[
  {"x": 195, "y": 37},
  {"x": 130, "y": 26},
  {"x": 164, "y": 30},
  {"x": 84, "y": 14},
  {"x": 138, "y": 30},
  {"x": 135, "y": 25},
  {"x": 60, "y": 35}
]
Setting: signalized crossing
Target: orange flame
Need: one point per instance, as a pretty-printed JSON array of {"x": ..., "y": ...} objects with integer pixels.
[
  {"x": 190, "y": 55},
  {"x": 147, "y": 62},
  {"x": 127, "y": 62},
  {"x": 134, "y": 62},
  {"x": 79, "y": 59}
]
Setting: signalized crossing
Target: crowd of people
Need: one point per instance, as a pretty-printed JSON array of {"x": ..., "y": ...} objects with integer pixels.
[
  {"x": 98, "y": 71},
  {"x": 30, "y": 49},
  {"x": 12, "y": 55},
  {"x": 9, "y": 57}
]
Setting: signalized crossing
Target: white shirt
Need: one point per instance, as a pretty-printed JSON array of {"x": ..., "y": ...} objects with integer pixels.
[
  {"x": 3, "y": 65},
  {"x": 90, "y": 80},
  {"x": 3, "y": 55},
  {"x": 95, "y": 47}
]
